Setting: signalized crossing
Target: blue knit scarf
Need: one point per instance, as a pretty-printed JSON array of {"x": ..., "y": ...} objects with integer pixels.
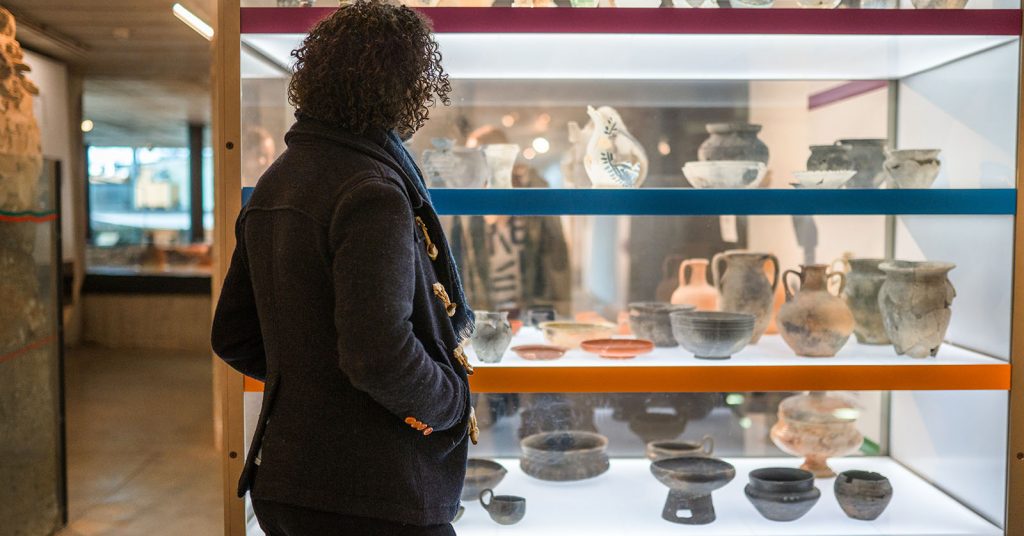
[{"x": 463, "y": 320}]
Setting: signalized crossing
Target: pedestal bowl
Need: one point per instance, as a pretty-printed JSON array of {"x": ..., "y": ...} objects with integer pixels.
[{"x": 690, "y": 481}]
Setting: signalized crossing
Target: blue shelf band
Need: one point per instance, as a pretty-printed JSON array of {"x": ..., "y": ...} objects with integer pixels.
[{"x": 692, "y": 202}]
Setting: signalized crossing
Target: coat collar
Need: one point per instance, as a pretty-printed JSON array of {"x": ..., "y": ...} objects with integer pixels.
[{"x": 370, "y": 144}]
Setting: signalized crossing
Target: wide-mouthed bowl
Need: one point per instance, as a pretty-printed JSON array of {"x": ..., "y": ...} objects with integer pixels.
[
  {"x": 725, "y": 173},
  {"x": 564, "y": 455},
  {"x": 649, "y": 320},
  {"x": 693, "y": 475},
  {"x": 713, "y": 334},
  {"x": 572, "y": 334},
  {"x": 480, "y": 475},
  {"x": 824, "y": 179}
]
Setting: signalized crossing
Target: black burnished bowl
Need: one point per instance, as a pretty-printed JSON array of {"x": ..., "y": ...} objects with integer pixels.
[
  {"x": 564, "y": 456},
  {"x": 480, "y": 475},
  {"x": 712, "y": 334}
]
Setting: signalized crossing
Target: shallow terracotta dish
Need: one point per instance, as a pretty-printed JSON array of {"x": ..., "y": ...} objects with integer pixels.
[
  {"x": 618, "y": 348},
  {"x": 571, "y": 334},
  {"x": 538, "y": 352}
]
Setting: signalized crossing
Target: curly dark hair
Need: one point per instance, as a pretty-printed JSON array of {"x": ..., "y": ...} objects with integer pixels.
[{"x": 372, "y": 64}]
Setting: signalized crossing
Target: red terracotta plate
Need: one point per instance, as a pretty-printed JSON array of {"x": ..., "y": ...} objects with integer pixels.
[
  {"x": 539, "y": 352},
  {"x": 617, "y": 348}
]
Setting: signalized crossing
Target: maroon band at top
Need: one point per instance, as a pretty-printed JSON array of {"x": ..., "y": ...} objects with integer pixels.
[
  {"x": 673, "y": 21},
  {"x": 843, "y": 92}
]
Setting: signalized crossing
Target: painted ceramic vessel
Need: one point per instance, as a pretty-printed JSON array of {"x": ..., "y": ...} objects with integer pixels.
[
  {"x": 650, "y": 320},
  {"x": 481, "y": 474},
  {"x": 492, "y": 335},
  {"x": 912, "y": 168},
  {"x": 694, "y": 288},
  {"x": 564, "y": 456},
  {"x": 813, "y": 322},
  {"x": 614, "y": 158},
  {"x": 867, "y": 156},
  {"x": 782, "y": 493},
  {"x": 915, "y": 302},
  {"x": 817, "y": 426},
  {"x": 503, "y": 509},
  {"x": 691, "y": 480},
  {"x": 668, "y": 448},
  {"x": 864, "y": 279},
  {"x": 501, "y": 158},
  {"x": 448, "y": 166},
  {"x": 744, "y": 287},
  {"x": 735, "y": 141},
  {"x": 829, "y": 158},
  {"x": 863, "y": 495}
]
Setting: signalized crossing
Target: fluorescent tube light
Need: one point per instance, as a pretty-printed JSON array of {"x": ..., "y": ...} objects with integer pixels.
[{"x": 193, "y": 21}]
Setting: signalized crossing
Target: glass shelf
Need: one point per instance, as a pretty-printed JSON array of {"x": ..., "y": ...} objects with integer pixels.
[
  {"x": 628, "y": 500},
  {"x": 692, "y": 202}
]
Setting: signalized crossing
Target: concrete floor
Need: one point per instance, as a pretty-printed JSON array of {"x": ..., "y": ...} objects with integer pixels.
[{"x": 140, "y": 449}]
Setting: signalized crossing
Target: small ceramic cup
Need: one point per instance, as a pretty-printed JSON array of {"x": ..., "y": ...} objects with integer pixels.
[{"x": 503, "y": 509}]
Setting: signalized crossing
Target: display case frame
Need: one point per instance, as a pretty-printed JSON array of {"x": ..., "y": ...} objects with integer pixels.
[{"x": 997, "y": 376}]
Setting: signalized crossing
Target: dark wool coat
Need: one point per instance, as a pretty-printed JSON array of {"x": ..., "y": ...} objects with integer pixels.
[{"x": 331, "y": 300}]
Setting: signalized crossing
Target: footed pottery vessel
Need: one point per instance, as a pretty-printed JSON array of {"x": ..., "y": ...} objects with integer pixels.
[
  {"x": 744, "y": 287},
  {"x": 813, "y": 322},
  {"x": 564, "y": 456},
  {"x": 833, "y": 157},
  {"x": 690, "y": 481},
  {"x": 863, "y": 281},
  {"x": 867, "y": 156},
  {"x": 912, "y": 168},
  {"x": 695, "y": 289},
  {"x": 862, "y": 494},
  {"x": 817, "y": 426},
  {"x": 782, "y": 493},
  {"x": 734, "y": 141},
  {"x": 667, "y": 448},
  {"x": 915, "y": 302},
  {"x": 481, "y": 474},
  {"x": 492, "y": 335},
  {"x": 650, "y": 320}
]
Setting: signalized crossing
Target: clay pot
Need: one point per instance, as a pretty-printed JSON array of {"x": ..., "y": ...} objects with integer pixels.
[
  {"x": 492, "y": 335},
  {"x": 744, "y": 287},
  {"x": 666, "y": 448},
  {"x": 867, "y": 156},
  {"x": 733, "y": 141},
  {"x": 713, "y": 334},
  {"x": 863, "y": 281},
  {"x": 651, "y": 426},
  {"x": 915, "y": 303},
  {"x": 862, "y": 494},
  {"x": 691, "y": 481},
  {"x": 817, "y": 426},
  {"x": 481, "y": 474},
  {"x": 813, "y": 322},
  {"x": 564, "y": 456},
  {"x": 695, "y": 289},
  {"x": 650, "y": 320},
  {"x": 833, "y": 157},
  {"x": 912, "y": 168},
  {"x": 777, "y": 301},
  {"x": 782, "y": 493}
]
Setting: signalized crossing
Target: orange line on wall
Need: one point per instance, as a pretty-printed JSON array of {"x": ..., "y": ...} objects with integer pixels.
[
  {"x": 27, "y": 348},
  {"x": 733, "y": 378}
]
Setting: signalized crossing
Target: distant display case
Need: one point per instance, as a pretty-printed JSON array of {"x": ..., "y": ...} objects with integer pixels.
[{"x": 590, "y": 225}]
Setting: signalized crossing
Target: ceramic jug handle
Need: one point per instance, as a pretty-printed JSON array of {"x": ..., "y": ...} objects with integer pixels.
[
  {"x": 844, "y": 265},
  {"x": 683, "y": 267},
  {"x": 785, "y": 282},
  {"x": 490, "y": 496},
  {"x": 707, "y": 445},
  {"x": 775, "y": 277},
  {"x": 842, "y": 281},
  {"x": 716, "y": 274}
]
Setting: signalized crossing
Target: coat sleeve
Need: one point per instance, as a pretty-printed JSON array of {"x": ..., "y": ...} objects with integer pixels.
[
  {"x": 236, "y": 336},
  {"x": 375, "y": 275}
]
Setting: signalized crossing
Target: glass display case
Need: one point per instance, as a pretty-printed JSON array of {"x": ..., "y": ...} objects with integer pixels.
[{"x": 731, "y": 243}]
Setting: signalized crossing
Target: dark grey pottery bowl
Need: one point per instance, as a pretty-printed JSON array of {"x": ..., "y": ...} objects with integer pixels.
[
  {"x": 480, "y": 475},
  {"x": 564, "y": 456},
  {"x": 650, "y": 320},
  {"x": 712, "y": 334},
  {"x": 782, "y": 493},
  {"x": 690, "y": 481},
  {"x": 862, "y": 494},
  {"x": 651, "y": 426}
]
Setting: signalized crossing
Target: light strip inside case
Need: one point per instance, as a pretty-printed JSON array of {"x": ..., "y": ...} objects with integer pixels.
[{"x": 682, "y": 57}]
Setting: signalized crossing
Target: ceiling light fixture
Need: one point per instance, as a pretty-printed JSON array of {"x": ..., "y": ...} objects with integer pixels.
[
  {"x": 192, "y": 21},
  {"x": 87, "y": 125}
]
